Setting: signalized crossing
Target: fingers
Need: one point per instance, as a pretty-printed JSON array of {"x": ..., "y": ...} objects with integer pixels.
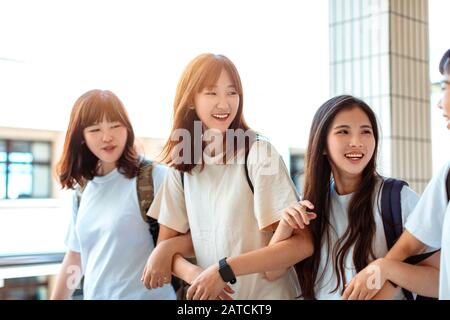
[
  {"x": 224, "y": 296},
  {"x": 289, "y": 215},
  {"x": 297, "y": 217},
  {"x": 307, "y": 204},
  {"x": 348, "y": 291},
  {"x": 305, "y": 215},
  {"x": 228, "y": 289}
]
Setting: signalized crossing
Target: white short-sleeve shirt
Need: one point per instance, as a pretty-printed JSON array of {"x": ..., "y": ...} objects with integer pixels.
[
  {"x": 327, "y": 278},
  {"x": 430, "y": 223},
  {"x": 113, "y": 240},
  {"x": 226, "y": 219}
]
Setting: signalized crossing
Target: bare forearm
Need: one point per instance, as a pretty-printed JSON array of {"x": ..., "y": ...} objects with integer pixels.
[
  {"x": 423, "y": 280},
  {"x": 406, "y": 246},
  {"x": 281, "y": 255},
  {"x": 181, "y": 244},
  {"x": 68, "y": 278},
  {"x": 388, "y": 292},
  {"x": 183, "y": 269}
]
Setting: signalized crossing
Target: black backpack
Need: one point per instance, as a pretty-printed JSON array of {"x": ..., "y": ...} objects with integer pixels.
[{"x": 391, "y": 212}]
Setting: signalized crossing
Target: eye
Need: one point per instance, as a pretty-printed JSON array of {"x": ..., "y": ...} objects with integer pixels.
[
  {"x": 210, "y": 93},
  {"x": 118, "y": 125},
  {"x": 232, "y": 93},
  {"x": 367, "y": 131},
  {"x": 342, "y": 131},
  {"x": 93, "y": 130}
]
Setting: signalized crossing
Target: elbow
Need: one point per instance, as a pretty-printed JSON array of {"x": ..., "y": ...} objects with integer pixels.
[{"x": 272, "y": 276}]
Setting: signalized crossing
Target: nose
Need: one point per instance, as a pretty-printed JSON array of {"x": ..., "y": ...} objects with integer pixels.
[
  {"x": 355, "y": 141},
  {"x": 223, "y": 102},
  {"x": 107, "y": 137}
]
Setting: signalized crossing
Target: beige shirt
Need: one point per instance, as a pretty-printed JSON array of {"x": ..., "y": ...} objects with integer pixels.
[{"x": 226, "y": 219}]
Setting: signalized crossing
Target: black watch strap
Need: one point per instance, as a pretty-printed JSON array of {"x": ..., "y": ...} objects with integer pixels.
[{"x": 226, "y": 272}]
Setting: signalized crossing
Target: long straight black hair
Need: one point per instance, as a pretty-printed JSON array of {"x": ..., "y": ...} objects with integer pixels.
[{"x": 318, "y": 175}]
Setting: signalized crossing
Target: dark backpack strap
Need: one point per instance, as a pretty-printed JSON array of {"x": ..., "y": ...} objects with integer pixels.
[
  {"x": 145, "y": 195},
  {"x": 182, "y": 179},
  {"x": 448, "y": 186},
  {"x": 250, "y": 184},
  {"x": 391, "y": 212},
  {"x": 247, "y": 175}
]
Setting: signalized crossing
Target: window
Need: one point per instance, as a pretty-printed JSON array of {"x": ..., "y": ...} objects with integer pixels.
[{"x": 25, "y": 169}]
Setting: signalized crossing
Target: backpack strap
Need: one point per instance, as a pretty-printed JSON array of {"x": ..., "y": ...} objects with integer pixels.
[
  {"x": 391, "y": 213},
  {"x": 247, "y": 175},
  {"x": 145, "y": 193},
  {"x": 448, "y": 186},
  {"x": 391, "y": 210}
]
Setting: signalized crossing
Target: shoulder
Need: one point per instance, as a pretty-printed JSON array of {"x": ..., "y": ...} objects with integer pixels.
[
  {"x": 262, "y": 151},
  {"x": 159, "y": 170}
]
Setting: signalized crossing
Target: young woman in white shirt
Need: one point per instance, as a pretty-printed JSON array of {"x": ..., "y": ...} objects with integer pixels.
[
  {"x": 343, "y": 189},
  {"x": 108, "y": 240},
  {"x": 228, "y": 222},
  {"x": 430, "y": 222}
]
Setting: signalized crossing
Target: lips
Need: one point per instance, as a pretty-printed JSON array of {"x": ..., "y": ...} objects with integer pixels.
[
  {"x": 221, "y": 116},
  {"x": 109, "y": 148},
  {"x": 354, "y": 156}
]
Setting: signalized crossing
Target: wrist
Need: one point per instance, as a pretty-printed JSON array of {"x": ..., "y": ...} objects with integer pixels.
[
  {"x": 225, "y": 271},
  {"x": 383, "y": 264}
]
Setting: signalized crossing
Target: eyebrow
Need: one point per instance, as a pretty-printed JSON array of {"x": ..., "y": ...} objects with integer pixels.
[
  {"x": 214, "y": 86},
  {"x": 344, "y": 126}
]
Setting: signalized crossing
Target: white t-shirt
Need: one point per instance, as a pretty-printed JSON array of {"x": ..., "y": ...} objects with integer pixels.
[
  {"x": 112, "y": 238},
  {"x": 430, "y": 223},
  {"x": 339, "y": 222},
  {"x": 226, "y": 219}
]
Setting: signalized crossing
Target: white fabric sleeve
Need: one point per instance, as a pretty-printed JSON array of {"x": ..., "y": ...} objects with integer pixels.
[
  {"x": 72, "y": 242},
  {"x": 409, "y": 199},
  {"x": 169, "y": 206},
  {"x": 427, "y": 219},
  {"x": 273, "y": 187}
]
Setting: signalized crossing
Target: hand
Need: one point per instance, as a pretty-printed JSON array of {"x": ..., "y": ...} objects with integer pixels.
[
  {"x": 158, "y": 269},
  {"x": 209, "y": 285},
  {"x": 296, "y": 216},
  {"x": 367, "y": 283}
]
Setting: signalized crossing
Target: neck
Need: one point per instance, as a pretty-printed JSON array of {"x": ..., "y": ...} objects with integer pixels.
[
  {"x": 105, "y": 167},
  {"x": 345, "y": 183}
]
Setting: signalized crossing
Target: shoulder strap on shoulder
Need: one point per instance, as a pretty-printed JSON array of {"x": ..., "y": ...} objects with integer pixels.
[
  {"x": 144, "y": 186},
  {"x": 145, "y": 193},
  {"x": 182, "y": 178},
  {"x": 448, "y": 186},
  {"x": 391, "y": 210},
  {"x": 247, "y": 176}
]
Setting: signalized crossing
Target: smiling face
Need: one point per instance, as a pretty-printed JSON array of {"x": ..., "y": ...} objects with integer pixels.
[
  {"x": 106, "y": 140},
  {"x": 444, "y": 103},
  {"x": 350, "y": 142},
  {"x": 217, "y": 106}
]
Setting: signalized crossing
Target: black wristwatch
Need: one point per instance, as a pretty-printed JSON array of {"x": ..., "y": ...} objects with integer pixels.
[{"x": 225, "y": 271}]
